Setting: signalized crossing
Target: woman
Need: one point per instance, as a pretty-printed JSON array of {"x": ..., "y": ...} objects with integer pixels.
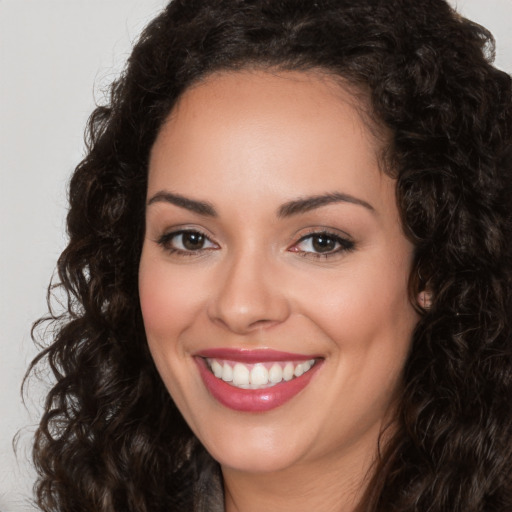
[{"x": 289, "y": 269}]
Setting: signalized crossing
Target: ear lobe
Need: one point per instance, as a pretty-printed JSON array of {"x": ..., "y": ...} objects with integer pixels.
[{"x": 424, "y": 299}]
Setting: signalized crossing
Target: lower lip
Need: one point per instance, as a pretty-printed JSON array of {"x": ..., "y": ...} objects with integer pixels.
[{"x": 253, "y": 400}]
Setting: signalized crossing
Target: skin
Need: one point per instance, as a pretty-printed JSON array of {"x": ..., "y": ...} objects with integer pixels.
[{"x": 247, "y": 143}]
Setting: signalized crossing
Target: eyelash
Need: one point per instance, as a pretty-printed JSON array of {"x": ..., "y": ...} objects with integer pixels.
[
  {"x": 165, "y": 241},
  {"x": 341, "y": 244}
]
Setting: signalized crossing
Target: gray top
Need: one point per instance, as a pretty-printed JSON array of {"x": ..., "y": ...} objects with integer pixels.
[{"x": 208, "y": 490}]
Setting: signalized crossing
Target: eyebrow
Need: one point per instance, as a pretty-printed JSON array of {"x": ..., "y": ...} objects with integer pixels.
[
  {"x": 307, "y": 204},
  {"x": 288, "y": 209},
  {"x": 199, "y": 207}
]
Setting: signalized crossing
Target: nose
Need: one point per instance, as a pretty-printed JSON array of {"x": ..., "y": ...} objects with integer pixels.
[{"x": 248, "y": 295}]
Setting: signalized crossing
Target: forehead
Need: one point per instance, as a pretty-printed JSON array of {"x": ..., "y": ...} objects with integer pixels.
[
  {"x": 263, "y": 96},
  {"x": 256, "y": 130}
]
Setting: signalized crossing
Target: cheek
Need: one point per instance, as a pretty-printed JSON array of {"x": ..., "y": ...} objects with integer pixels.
[
  {"x": 366, "y": 308},
  {"x": 168, "y": 300},
  {"x": 169, "y": 304},
  {"x": 369, "y": 321}
]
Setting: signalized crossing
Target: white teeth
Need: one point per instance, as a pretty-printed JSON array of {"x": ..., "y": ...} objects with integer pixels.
[
  {"x": 217, "y": 369},
  {"x": 299, "y": 370},
  {"x": 275, "y": 374},
  {"x": 240, "y": 375},
  {"x": 227, "y": 373},
  {"x": 288, "y": 372},
  {"x": 259, "y": 375}
]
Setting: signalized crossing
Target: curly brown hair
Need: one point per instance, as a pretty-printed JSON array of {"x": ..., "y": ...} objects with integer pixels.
[{"x": 111, "y": 438}]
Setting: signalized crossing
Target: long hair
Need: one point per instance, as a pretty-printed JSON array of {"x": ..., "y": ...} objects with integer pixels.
[{"x": 111, "y": 438}]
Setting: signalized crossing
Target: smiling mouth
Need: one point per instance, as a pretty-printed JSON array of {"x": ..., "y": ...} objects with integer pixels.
[
  {"x": 255, "y": 381},
  {"x": 259, "y": 375}
]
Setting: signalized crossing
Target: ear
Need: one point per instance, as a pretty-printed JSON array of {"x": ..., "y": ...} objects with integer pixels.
[{"x": 424, "y": 299}]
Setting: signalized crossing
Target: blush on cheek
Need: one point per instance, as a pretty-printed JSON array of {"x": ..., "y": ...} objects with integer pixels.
[
  {"x": 168, "y": 301},
  {"x": 155, "y": 301}
]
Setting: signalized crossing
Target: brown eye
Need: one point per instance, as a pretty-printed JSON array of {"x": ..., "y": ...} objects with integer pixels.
[
  {"x": 186, "y": 242},
  {"x": 192, "y": 241},
  {"x": 323, "y": 243}
]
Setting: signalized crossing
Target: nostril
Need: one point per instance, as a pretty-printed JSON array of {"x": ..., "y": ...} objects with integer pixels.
[
  {"x": 263, "y": 324},
  {"x": 240, "y": 326}
]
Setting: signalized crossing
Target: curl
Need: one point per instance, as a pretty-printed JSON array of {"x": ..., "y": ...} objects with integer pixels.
[{"x": 111, "y": 439}]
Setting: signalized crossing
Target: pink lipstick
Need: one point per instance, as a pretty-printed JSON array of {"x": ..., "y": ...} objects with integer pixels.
[{"x": 255, "y": 380}]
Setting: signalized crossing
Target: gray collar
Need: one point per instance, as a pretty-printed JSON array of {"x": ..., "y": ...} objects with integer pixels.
[{"x": 208, "y": 489}]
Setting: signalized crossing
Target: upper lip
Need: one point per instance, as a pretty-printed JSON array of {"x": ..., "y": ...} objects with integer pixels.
[{"x": 245, "y": 355}]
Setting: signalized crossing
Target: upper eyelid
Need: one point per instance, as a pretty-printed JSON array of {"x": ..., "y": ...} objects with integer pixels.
[
  {"x": 321, "y": 230},
  {"x": 339, "y": 239},
  {"x": 175, "y": 232},
  {"x": 185, "y": 228},
  {"x": 328, "y": 233}
]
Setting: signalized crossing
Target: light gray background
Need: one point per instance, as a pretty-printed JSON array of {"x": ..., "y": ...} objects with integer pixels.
[{"x": 56, "y": 56}]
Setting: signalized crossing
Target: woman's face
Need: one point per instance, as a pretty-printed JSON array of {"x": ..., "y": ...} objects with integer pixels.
[{"x": 273, "y": 277}]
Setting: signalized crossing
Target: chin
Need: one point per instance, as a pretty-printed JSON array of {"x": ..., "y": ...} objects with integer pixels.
[
  {"x": 254, "y": 450},
  {"x": 254, "y": 460}
]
